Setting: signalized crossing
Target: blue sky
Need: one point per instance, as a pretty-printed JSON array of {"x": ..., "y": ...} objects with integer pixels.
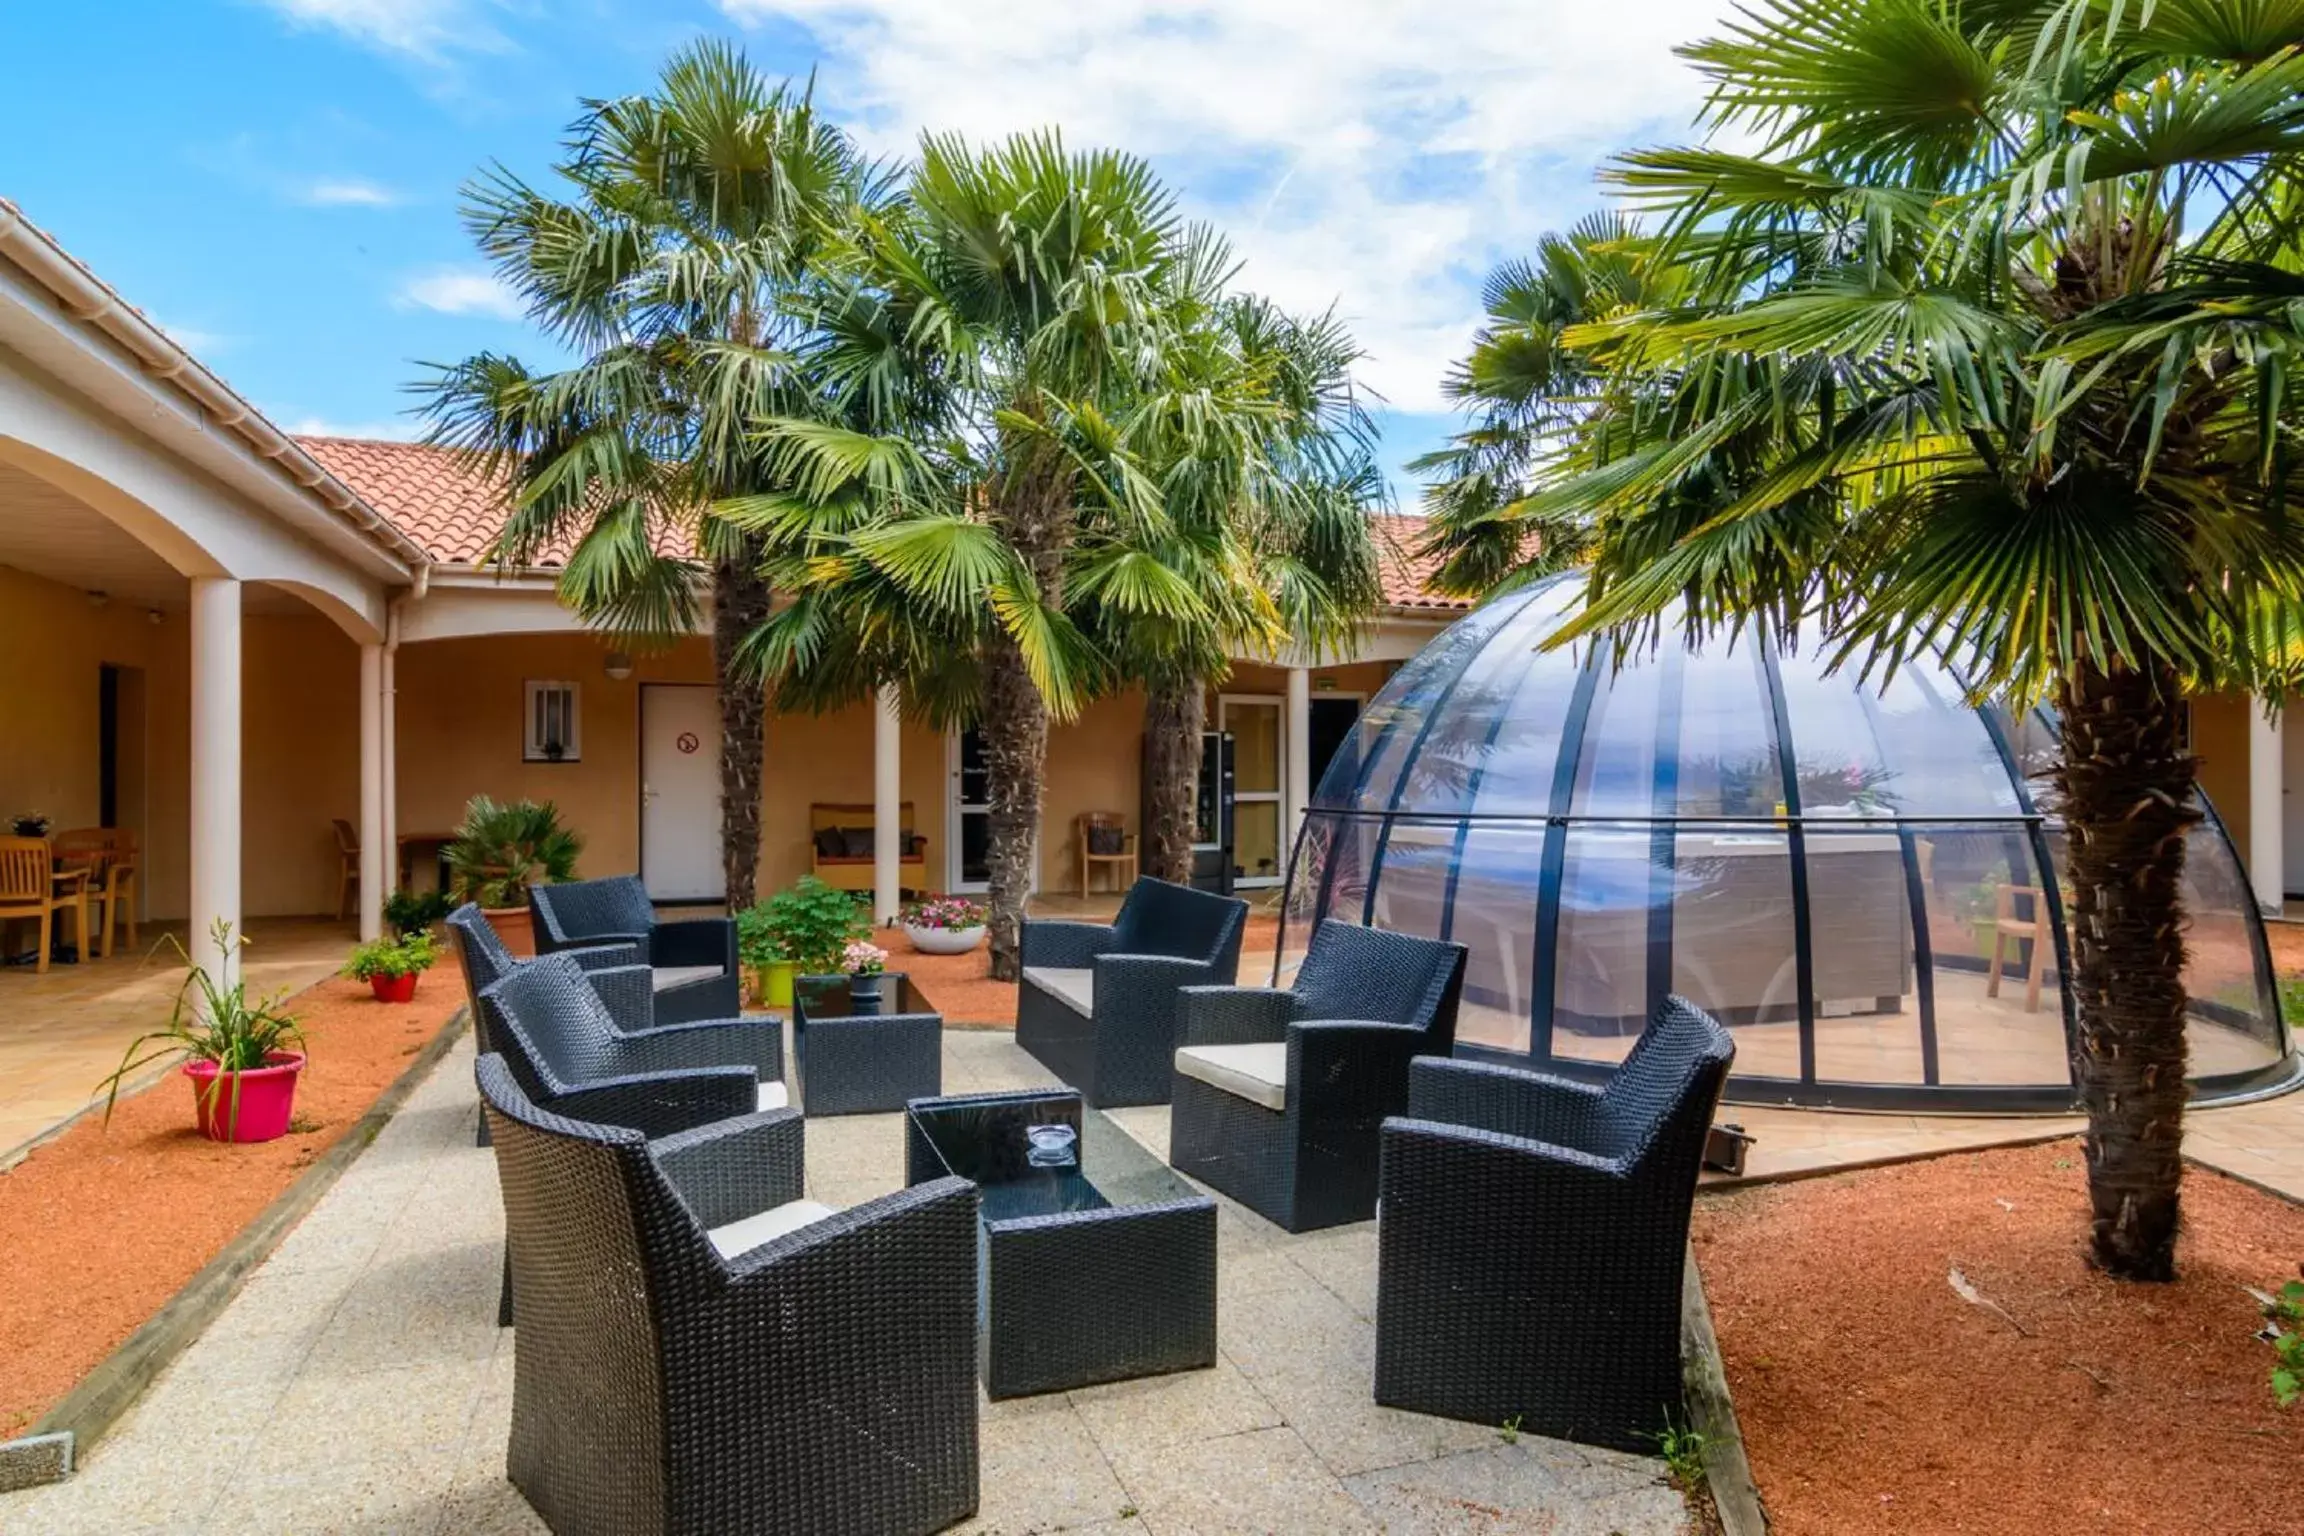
[{"x": 275, "y": 181}]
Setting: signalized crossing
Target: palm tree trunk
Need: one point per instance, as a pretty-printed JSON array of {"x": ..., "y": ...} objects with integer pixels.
[
  {"x": 1014, "y": 730},
  {"x": 1174, "y": 716},
  {"x": 2127, "y": 784},
  {"x": 740, "y": 601}
]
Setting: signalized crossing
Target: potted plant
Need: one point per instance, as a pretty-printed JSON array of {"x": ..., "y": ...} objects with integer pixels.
[
  {"x": 768, "y": 971},
  {"x": 243, "y": 1055},
  {"x": 866, "y": 965},
  {"x": 500, "y": 851},
  {"x": 801, "y": 931},
  {"x": 944, "y": 925},
  {"x": 407, "y": 912},
  {"x": 29, "y": 824},
  {"x": 391, "y": 966}
]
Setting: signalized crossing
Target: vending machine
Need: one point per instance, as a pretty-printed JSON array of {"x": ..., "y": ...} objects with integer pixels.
[{"x": 1212, "y": 815}]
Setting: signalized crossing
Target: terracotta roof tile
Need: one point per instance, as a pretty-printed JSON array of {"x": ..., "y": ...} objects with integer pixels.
[
  {"x": 437, "y": 496},
  {"x": 1405, "y": 573},
  {"x": 440, "y": 498}
]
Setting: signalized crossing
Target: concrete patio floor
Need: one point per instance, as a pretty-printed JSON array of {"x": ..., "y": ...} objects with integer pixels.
[{"x": 358, "y": 1383}]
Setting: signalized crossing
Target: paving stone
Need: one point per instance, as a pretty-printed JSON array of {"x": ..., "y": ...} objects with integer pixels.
[
  {"x": 1163, "y": 1410},
  {"x": 1263, "y": 1480},
  {"x": 335, "y": 1501},
  {"x": 1041, "y": 1470},
  {"x": 1316, "y": 1361},
  {"x": 1343, "y": 1259},
  {"x": 1502, "y": 1489},
  {"x": 416, "y": 1418},
  {"x": 415, "y": 1310}
]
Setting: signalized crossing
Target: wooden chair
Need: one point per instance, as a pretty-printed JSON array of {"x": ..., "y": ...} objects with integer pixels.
[
  {"x": 2008, "y": 928},
  {"x": 110, "y": 856},
  {"x": 347, "y": 868},
  {"x": 30, "y": 888},
  {"x": 1122, "y": 864}
]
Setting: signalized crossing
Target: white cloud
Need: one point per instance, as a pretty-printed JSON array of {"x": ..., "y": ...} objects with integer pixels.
[
  {"x": 423, "y": 29},
  {"x": 1372, "y": 154},
  {"x": 460, "y": 291},
  {"x": 346, "y": 192},
  {"x": 392, "y": 429},
  {"x": 193, "y": 339}
]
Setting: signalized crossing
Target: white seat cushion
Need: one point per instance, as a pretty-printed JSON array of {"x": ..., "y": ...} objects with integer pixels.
[
  {"x": 744, "y": 1236},
  {"x": 773, "y": 1096},
  {"x": 668, "y": 976},
  {"x": 1076, "y": 985},
  {"x": 1257, "y": 1073}
]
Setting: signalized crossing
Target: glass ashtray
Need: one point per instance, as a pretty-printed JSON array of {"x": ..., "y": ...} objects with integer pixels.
[{"x": 1051, "y": 1146}]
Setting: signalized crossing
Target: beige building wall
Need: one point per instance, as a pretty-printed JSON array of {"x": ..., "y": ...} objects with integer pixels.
[
  {"x": 2220, "y": 742},
  {"x": 300, "y": 754},
  {"x": 1095, "y": 763},
  {"x": 459, "y": 717},
  {"x": 459, "y": 722}
]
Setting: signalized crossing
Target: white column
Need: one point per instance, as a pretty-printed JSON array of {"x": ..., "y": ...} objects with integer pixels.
[
  {"x": 373, "y": 859},
  {"x": 2267, "y": 817},
  {"x": 1299, "y": 745},
  {"x": 388, "y": 751},
  {"x": 215, "y": 770},
  {"x": 887, "y": 807}
]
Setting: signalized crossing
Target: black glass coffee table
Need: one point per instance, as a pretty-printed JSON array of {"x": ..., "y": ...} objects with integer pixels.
[
  {"x": 852, "y": 1063},
  {"x": 1099, "y": 1260}
]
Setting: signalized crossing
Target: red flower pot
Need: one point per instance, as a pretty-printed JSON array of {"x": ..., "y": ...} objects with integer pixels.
[
  {"x": 394, "y": 989},
  {"x": 245, "y": 1106}
]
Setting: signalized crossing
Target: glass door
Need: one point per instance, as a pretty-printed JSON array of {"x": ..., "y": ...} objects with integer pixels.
[
  {"x": 970, "y": 820},
  {"x": 1259, "y": 853}
]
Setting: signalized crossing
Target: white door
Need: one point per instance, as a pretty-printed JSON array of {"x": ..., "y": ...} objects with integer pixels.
[
  {"x": 1259, "y": 751},
  {"x": 2292, "y": 792},
  {"x": 680, "y": 793},
  {"x": 968, "y": 823}
]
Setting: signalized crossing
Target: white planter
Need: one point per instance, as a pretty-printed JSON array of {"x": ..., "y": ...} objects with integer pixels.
[{"x": 944, "y": 941}]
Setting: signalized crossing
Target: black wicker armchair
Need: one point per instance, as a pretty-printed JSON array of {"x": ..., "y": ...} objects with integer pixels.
[
  {"x": 693, "y": 960},
  {"x": 565, "y": 1028},
  {"x": 1098, "y": 1004},
  {"x": 1279, "y": 1095},
  {"x": 485, "y": 961},
  {"x": 1534, "y": 1238},
  {"x": 701, "y": 1351}
]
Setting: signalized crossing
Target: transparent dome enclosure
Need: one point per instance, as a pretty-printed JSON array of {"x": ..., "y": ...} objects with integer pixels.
[{"x": 1863, "y": 882}]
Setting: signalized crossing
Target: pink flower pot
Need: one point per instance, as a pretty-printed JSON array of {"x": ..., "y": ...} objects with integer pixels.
[
  {"x": 245, "y": 1106},
  {"x": 394, "y": 989}
]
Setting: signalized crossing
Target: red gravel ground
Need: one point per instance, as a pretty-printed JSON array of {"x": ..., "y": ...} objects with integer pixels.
[
  {"x": 962, "y": 988},
  {"x": 104, "y": 1224},
  {"x": 1873, "y": 1398}
]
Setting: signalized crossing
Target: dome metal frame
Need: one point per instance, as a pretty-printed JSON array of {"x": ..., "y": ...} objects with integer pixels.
[{"x": 1340, "y": 808}]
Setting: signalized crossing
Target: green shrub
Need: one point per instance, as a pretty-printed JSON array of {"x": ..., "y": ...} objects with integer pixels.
[
  {"x": 501, "y": 850},
  {"x": 809, "y": 925},
  {"x": 2285, "y": 1332},
  {"x": 408, "y": 912},
  {"x": 391, "y": 959}
]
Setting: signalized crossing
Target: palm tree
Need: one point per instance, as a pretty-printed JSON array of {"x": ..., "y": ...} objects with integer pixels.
[
  {"x": 1265, "y": 462},
  {"x": 1983, "y": 351},
  {"x": 1524, "y": 391},
  {"x": 983, "y": 359},
  {"x": 688, "y": 221}
]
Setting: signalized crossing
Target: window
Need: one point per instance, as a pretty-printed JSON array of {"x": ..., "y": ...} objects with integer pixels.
[{"x": 554, "y": 730}]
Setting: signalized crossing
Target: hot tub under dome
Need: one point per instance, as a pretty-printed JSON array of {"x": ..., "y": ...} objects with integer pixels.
[{"x": 1826, "y": 865}]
